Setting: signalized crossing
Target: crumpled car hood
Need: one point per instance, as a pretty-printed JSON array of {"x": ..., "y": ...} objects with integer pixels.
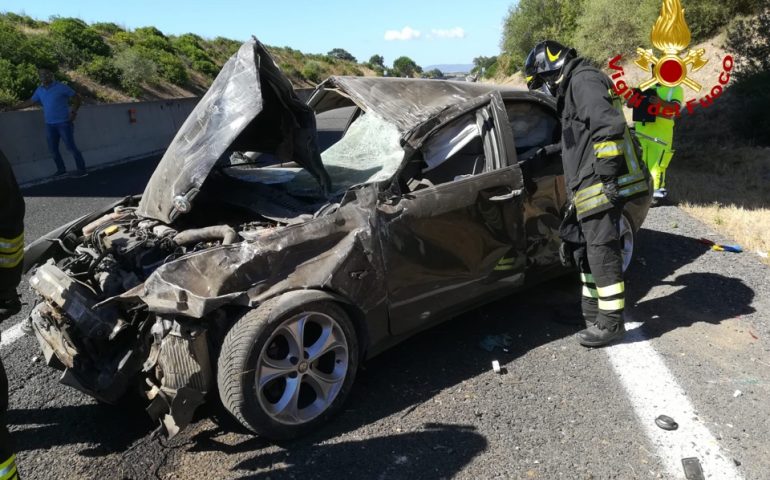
[{"x": 251, "y": 106}]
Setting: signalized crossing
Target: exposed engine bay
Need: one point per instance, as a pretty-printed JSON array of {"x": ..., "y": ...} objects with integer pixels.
[{"x": 106, "y": 347}]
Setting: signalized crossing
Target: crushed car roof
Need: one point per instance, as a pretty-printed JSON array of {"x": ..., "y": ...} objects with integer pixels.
[{"x": 405, "y": 102}]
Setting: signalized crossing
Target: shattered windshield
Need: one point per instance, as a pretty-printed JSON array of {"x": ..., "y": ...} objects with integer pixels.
[{"x": 369, "y": 152}]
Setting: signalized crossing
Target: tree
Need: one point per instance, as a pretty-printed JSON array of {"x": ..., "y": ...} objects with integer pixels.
[
  {"x": 482, "y": 64},
  {"x": 342, "y": 54},
  {"x": 434, "y": 73},
  {"x": 532, "y": 21},
  {"x": 377, "y": 61},
  {"x": 405, "y": 67}
]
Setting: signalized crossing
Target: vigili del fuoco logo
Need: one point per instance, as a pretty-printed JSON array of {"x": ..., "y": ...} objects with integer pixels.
[{"x": 671, "y": 36}]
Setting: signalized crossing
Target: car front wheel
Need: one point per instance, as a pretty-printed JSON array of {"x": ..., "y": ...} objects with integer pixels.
[{"x": 283, "y": 369}]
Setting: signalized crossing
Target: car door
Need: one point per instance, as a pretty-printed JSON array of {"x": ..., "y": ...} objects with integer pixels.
[
  {"x": 456, "y": 238},
  {"x": 535, "y": 126}
]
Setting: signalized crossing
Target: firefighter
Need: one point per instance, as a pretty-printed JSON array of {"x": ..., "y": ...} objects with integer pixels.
[
  {"x": 601, "y": 170},
  {"x": 11, "y": 255},
  {"x": 656, "y": 133}
]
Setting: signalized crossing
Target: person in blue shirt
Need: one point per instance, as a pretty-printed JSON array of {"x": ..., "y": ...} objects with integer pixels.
[{"x": 60, "y": 107}]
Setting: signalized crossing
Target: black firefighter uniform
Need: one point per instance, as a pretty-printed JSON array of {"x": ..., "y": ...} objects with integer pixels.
[
  {"x": 596, "y": 148},
  {"x": 11, "y": 256}
]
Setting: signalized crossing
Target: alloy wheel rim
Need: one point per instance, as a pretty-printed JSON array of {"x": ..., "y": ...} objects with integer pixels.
[{"x": 301, "y": 368}]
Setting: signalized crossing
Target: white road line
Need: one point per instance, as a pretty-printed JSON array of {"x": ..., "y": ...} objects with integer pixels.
[
  {"x": 11, "y": 335},
  {"x": 653, "y": 391}
]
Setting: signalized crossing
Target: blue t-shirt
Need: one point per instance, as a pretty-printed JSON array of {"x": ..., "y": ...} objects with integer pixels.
[{"x": 55, "y": 102}]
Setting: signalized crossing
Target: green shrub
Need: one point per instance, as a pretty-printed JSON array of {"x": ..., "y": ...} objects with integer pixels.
[
  {"x": 76, "y": 42},
  {"x": 135, "y": 68},
  {"x": 17, "y": 82},
  {"x": 107, "y": 28},
  {"x": 103, "y": 70},
  {"x": 205, "y": 67},
  {"x": 313, "y": 71}
]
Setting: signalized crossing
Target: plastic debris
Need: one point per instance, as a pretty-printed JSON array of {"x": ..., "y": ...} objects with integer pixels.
[
  {"x": 490, "y": 342},
  {"x": 692, "y": 469},
  {"x": 762, "y": 254},
  {"x": 496, "y": 366},
  {"x": 666, "y": 423},
  {"x": 35, "y": 359},
  {"x": 718, "y": 247},
  {"x": 737, "y": 394}
]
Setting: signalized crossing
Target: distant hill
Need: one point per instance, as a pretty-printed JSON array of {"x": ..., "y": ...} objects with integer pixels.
[
  {"x": 107, "y": 63},
  {"x": 451, "y": 68}
]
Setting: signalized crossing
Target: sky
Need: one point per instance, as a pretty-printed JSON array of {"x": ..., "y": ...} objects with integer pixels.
[{"x": 430, "y": 32}]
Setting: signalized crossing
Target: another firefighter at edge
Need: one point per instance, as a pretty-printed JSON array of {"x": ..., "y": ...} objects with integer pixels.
[
  {"x": 601, "y": 170},
  {"x": 11, "y": 259},
  {"x": 656, "y": 133}
]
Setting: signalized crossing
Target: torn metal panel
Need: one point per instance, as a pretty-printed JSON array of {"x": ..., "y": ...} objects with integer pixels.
[
  {"x": 317, "y": 254},
  {"x": 250, "y": 106}
]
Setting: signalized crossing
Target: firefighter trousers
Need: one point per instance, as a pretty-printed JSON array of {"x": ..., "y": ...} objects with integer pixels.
[
  {"x": 601, "y": 269},
  {"x": 11, "y": 230},
  {"x": 7, "y": 457}
]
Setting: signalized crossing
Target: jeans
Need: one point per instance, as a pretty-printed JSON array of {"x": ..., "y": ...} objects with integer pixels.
[{"x": 56, "y": 131}]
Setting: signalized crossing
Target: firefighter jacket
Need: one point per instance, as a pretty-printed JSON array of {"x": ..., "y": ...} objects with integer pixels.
[
  {"x": 11, "y": 227},
  {"x": 596, "y": 141}
]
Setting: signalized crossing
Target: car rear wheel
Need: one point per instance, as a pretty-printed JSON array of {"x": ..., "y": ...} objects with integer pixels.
[
  {"x": 283, "y": 369},
  {"x": 627, "y": 240}
]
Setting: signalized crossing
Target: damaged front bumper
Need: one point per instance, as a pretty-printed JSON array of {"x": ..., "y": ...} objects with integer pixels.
[{"x": 104, "y": 354}]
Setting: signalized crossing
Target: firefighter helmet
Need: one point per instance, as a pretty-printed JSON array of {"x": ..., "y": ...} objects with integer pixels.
[{"x": 544, "y": 65}]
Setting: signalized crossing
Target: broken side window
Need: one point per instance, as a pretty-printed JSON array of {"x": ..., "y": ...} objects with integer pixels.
[{"x": 455, "y": 152}]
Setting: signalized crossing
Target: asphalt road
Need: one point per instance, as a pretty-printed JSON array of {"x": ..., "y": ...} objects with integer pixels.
[{"x": 433, "y": 408}]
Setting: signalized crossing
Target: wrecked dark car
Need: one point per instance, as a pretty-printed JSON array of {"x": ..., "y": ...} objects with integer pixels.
[{"x": 256, "y": 265}]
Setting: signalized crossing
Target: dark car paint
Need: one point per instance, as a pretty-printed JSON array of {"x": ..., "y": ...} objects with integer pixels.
[{"x": 382, "y": 252}]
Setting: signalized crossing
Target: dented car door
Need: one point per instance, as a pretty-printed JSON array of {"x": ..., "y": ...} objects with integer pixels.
[{"x": 450, "y": 244}]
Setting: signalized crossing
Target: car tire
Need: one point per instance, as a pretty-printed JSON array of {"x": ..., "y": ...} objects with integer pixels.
[
  {"x": 627, "y": 240},
  {"x": 272, "y": 374}
]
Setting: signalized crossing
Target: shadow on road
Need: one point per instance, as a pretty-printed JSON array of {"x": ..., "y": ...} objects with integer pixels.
[
  {"x": 107, "y": 428},
  {"x": 698, "y": 296},
  {"x": 391, "y": 456}
]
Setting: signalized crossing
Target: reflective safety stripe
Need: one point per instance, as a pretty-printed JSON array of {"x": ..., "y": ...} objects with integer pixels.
[
  {"x": 587, "y": 278},
  {"x": 600, "y": 200},
  {"x": 8, "y": 245},
  {"x": 506, "y": 261},
  {"x": 608, "y": 149},
  {"x": 11, "y": 260},
  {"x": 611, "y": 305},
  {"x": 612, "y": 289},
  {"x": 505, "y": 267},
  {"x": 590, "y": 292},
  {"x": 8, "y": 468}
]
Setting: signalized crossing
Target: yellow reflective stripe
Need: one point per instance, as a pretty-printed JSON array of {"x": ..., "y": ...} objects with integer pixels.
[
  {"x": 611, "y": 305},
  {"x": 11, "y": 244},
  {"x": 611, "y": 290},
  {"x": 11, "y": 260},
  {"x": 588, "y": 192},
  {"x": 630, "y": 178},
  {"x": 506, "y": 261},
  {"x": 633, "y": 189},
  {"x": 8, "y": 468},
  {"x": 505, "y": 267},
  {"x": 608, "y": 149},
  {"x": 590, "y": 292},
  {"x": 587, "y": 278},
  {"x": 529, "y": 78},
  {"x": 595, "y": 202}
]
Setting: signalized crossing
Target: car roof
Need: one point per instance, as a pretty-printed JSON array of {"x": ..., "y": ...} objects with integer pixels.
[{"x": 408, "y": 102}]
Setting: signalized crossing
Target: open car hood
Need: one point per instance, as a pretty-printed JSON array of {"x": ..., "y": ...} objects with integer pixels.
[{"x": 251, "y": 106}]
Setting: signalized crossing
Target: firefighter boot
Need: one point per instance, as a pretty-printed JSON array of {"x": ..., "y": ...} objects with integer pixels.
[{"x": 597, "y": 336}]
